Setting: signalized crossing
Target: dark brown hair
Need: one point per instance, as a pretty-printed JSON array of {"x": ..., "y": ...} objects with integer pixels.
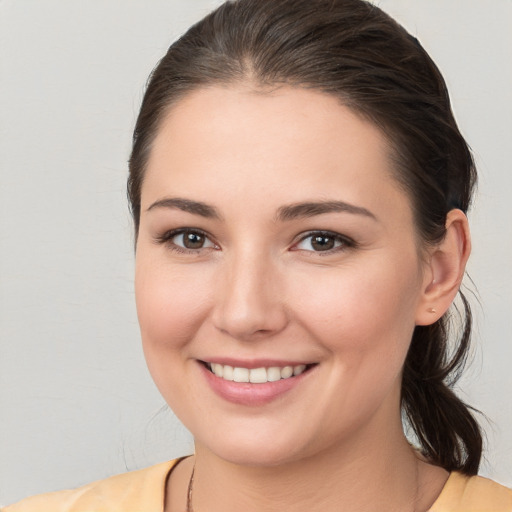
[{"x": 356, "y": 52}]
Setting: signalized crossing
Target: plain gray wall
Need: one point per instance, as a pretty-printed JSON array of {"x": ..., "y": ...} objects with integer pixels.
[{"x": 76, "y": 401}]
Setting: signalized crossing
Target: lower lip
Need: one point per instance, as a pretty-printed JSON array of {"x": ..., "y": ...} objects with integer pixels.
[{"x": 246, "y": 393}]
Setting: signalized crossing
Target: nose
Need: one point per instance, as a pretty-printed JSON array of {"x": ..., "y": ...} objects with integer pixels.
[{"x": 250, "y": 301}]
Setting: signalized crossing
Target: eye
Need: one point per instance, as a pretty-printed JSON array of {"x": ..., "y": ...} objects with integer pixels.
[
  {"x": 184, "y": 240},
  {"x": 321, "y": 241},
  {"x": 191, "y": 240}
]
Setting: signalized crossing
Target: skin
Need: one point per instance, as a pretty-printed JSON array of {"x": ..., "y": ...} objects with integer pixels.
[{"x": 257, "y": 288}]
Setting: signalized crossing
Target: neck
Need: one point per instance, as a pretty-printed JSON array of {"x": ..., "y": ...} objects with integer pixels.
[{"x": 374, "y": 473}]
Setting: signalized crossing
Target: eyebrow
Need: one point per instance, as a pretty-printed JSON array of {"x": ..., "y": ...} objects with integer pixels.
[
  {"x": 187, "y": 205},
  {"x": 311, "y": 209},
  {"x": 284, "y": 213}
]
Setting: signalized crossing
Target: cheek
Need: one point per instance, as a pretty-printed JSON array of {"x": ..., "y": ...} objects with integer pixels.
[
  {"x": 366, "y": 311},
  {"x": 171, "y": 305},
  {"x": 365, "y": 319}
]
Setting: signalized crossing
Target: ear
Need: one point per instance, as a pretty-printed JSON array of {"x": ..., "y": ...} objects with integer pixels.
[{"x": 444, "y": 269}]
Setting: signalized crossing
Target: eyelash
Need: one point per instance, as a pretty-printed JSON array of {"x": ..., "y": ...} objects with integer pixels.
[
  {"x": 344, "y": 242},
  {"x": 167, "y": 237}
]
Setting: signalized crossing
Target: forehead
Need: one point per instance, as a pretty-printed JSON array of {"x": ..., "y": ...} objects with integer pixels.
[{"x": 289, "y": 141}]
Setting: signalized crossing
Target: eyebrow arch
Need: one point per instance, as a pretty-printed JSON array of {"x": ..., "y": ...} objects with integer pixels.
[
  {"x": 187, "y": 205},
  {"x": 310, "y": 209}
]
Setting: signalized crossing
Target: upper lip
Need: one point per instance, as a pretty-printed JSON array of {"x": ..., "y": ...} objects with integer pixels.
[{"x": 255, "y": 363}]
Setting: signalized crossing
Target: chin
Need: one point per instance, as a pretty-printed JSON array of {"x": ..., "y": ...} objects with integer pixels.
[
  {"x": 255, "y": 456},
  {"x": 258, "y": 449}
]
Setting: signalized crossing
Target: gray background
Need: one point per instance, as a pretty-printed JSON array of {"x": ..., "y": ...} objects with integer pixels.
[{"x": 76, "y": 401}]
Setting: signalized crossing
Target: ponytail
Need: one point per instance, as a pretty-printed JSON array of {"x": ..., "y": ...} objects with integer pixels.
[{"x": 447, "y": 431}]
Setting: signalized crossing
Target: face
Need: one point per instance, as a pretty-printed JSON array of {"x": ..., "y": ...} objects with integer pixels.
[{"x": 275, "y": 247}]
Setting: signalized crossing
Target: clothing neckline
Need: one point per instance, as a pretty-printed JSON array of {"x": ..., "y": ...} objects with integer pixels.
[{"x": 455, "y": 479}]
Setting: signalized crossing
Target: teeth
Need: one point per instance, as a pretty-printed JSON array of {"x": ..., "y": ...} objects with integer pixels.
[
  {"x": 286, "y": 372},
  {"x": 226, "y": 372},
  {"x": 297, "y": 370},
  {"x": 273, "y": 374},
  {"x": 240, "y": 374},
  {"x": 256, "y": 375},
  {"x": 218, "y": 369}
]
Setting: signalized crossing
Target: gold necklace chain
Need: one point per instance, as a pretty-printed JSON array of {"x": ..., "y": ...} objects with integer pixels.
[{"x": 189, "y": 492}]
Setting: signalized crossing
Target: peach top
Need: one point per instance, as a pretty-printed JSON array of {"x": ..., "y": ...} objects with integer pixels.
[{"x": 144, "y": 491}]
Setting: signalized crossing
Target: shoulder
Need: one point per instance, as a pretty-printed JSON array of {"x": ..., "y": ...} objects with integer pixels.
[
  {"x": 473, "y": 494},
  {"x": 136, "y": 490}
]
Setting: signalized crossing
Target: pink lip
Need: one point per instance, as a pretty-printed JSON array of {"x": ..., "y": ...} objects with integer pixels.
[{"x": 246, "y": 393}]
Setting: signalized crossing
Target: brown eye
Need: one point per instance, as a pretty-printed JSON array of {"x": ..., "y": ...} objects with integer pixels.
[
  {"x": 190, "y": 240},
  {"x": 322, "y": 242},
  {"x": 193, "y": 240}
]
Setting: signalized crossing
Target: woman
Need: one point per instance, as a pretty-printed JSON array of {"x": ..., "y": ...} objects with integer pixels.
[{"x": 299, "y": 188}]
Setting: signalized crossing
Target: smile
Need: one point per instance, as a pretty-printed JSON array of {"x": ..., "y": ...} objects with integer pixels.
[
  {"x": 255, "y": 375},
  {"x": 254, "y": 383}
]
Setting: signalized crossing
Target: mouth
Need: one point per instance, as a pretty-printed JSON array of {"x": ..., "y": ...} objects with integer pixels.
[
  {"x": 259, "y": 375},
  {"x": 254, "y": 383}
]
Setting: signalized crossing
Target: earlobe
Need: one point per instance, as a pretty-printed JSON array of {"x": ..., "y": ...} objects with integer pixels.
[{"x": 446, "y": 265}]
